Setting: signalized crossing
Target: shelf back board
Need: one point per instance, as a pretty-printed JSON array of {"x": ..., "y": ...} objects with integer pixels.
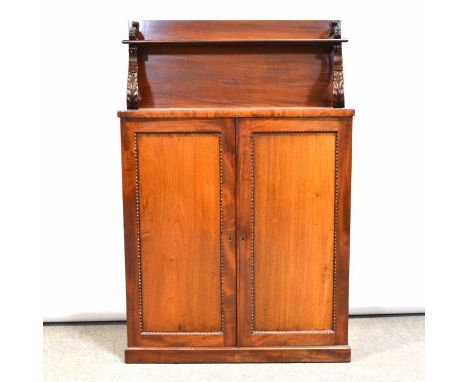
[{"x": 228, "y": 30}]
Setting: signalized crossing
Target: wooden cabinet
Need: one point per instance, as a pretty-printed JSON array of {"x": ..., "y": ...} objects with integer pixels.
[{"x": 236, "y": 225}]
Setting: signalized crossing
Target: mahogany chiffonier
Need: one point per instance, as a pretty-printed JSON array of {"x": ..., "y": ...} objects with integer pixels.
[{"x": 236, "y": 161}]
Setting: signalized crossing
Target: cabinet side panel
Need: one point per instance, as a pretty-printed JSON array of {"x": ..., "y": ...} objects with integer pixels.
[
  {"x": 179, "y": 213},
  {"x": 293, "y": 216}
]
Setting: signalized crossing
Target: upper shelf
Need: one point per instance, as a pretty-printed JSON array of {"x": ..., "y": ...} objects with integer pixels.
[
  {"x": 235, "y": 31},
  {"x": 284, "y": 40}
]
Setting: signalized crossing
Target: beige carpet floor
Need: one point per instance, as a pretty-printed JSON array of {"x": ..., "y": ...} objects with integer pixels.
[{"x": 383, "y": 349}]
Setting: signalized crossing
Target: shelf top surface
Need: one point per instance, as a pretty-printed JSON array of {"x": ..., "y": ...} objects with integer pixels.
[
  {"x": 238, "y": 41},
  {"x": 234, "y": 31},
  {"x": 244, "y": 112}
]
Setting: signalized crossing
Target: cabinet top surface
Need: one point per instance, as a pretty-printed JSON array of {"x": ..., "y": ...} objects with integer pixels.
[{"x": 241, "y": 112}]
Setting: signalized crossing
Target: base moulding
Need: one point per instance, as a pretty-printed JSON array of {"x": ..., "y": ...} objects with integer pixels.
[{"x": 336, "y": 353}]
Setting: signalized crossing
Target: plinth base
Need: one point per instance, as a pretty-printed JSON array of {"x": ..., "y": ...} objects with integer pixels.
[{"x": 338, "y": 353}]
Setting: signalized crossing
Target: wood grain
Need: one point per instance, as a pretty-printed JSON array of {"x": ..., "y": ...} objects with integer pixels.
[
  {"x": 308, "y": 41},
  {"x": 175, "y": 256},
  {"x": 224, "y": 112},
  {"x": 239, "y": 354},
  {"x": 343, "y": 228},
  {"x": 294, "y": 184},
  {"x": 236, "y": 175},
  {"x": 235, "y": 75},
  {"x": 179, "y": 177},
  {"x": 228, "y": 30},
  {"x": 315, "y": 327}
]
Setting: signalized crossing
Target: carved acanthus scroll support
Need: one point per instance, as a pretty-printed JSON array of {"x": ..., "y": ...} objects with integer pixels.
[
  {"x": 338, "y": 81},
  {"x": 133, "y": 95}
]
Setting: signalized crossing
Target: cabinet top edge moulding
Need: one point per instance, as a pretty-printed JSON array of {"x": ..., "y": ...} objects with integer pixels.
[{"x": 234, "y": 64}]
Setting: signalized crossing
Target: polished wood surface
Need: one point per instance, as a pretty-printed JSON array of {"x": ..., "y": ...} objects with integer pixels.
[
  {"x": 179, "y": 178},
  {"x": 229, "y": 63},
  {"x": 236, "y": 169},
  {"x": 299, "y": 112},
  {"x": 301, "y": 143},
  {"x": 228, "y": 30},
  {"x": 235, "y": 75},
  {"x": 293, "y": 213},
  {"x": 295, "y": 245},
  {"x": 308, "y": 41},
  {"x": 338, "y": 79},
  {"x": 179, "y": 225},
  {"x": 239, "y": 354}
]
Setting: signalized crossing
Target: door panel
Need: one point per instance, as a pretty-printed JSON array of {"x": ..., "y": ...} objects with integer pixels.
[
  {"x": 179, "y": 228},
  {"x": 288, "y": 210},
  {"x": 178, "y": 183},
  {"x": 294, "y": 176}
]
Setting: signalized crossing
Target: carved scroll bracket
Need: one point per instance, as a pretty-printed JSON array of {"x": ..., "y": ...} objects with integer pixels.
[
  {"x": 133, "y": 95},
  {"x": 338, "y": 81}
]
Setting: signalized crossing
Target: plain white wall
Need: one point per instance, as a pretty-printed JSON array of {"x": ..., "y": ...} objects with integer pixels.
[{"x": 86, "y": 84}]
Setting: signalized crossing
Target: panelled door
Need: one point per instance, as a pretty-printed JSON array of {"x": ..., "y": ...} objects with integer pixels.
[
  {"x": 179, "y": 198},
  {"x": 293, "y": 231}
]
